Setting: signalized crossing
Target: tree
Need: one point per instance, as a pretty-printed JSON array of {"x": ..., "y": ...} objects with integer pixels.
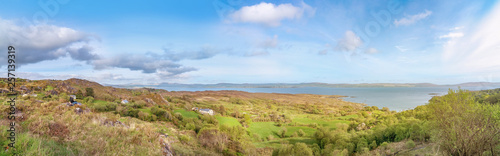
[
  {"x": 79, "y": 94},
  {"x": 299, "y": 149},
  {"x": 464, "y": 126},
  {"x": 89, "y": 92},
  {"x": 247, "y": 119}
]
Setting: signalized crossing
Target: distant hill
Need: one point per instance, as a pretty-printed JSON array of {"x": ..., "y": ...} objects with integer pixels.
[{"x": 302, "y": 85}]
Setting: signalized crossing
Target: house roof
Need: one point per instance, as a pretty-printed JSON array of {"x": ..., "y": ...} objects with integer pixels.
[{"x": 205, "y": 110}]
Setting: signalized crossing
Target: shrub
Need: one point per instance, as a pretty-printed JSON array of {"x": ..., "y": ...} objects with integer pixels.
[
  {"x": 105, "y": 107},
  {"x": 270, "y": 137},
  {"x": 157, "y": 111},
  {"x": 299, "y": 149},
  {"x": 184, "y": 139},
  {"x": 89, "y": 92},
  {"x": 178, "y": 116},
  {"x": 301, "y": 133},
  {"x": 283, "y": 132},
  {"x": 209, "y": 119},
  {"x": 145, "y": 116},
  {"x": 213, "y": 139},
  {"x": 410, "y": 144},
  {"x": 100, "y": 108},
  {"x": 127, "y": 111},
  {"x": 373, "y": 145}
]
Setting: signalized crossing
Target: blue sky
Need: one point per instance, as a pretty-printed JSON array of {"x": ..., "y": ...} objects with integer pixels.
[{"x": 236, "y": 41}]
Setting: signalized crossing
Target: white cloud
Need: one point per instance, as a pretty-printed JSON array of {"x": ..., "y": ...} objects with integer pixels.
[
  {"x": 38, "y": 43},
  {"x": 269, "y": 14},
  {"x": 371, "y": 51},
  {"x": 349, "y": 42},
  {"x": 452, "y": 35},
  {"x": 479, "y": 50},
  {"x": 408, "y": 20}
]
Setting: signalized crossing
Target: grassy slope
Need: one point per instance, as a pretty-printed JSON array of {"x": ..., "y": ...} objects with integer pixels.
[
  {"x": 187, "y": 114},
  {"x": 85, "y": 132}
]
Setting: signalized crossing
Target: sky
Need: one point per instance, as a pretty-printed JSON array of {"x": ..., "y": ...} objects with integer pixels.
[{"x": 236, "y": 41}]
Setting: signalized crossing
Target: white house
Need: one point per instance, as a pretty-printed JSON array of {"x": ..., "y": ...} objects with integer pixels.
[
  {"x": 207, "y": 111},
  {"x": 124, "y": 101},
  {"x": 203, "y": 111}
]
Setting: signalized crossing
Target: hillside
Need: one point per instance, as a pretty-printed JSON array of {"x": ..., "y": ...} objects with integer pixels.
[{"x": 159, "y": 122}]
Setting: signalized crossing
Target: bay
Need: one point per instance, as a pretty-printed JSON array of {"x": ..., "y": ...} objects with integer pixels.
[{"x": 395, "y": 98}]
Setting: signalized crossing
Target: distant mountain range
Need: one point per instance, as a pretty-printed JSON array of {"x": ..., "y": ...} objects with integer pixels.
[{"x": 302, "y": 85}]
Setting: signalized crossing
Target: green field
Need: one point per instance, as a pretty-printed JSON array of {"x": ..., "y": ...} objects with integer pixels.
[
  {"x": 187, "y": 114},
  {"x": 323, "y": 123},
  {"x": 264, "y": 129},
  {"x": 277, "y": 142},
  {"x": 228, "y": 121},
  {"x": 308, "y": 130}
]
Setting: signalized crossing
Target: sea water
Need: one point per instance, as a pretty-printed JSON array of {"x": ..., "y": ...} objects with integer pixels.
[{"x": 395, "y": 98}]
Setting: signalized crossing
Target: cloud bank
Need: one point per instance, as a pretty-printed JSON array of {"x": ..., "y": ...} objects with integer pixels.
[{"x": 37, "y": 43}]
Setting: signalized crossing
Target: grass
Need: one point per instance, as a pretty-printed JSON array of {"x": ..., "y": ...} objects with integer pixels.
[
  {"x": 308, "y": 130},
  {"x": 264, "y": 129},
  {"x": 277, "y": 143},
  {"x": 227, "y": 121},
  {"x": 187, "y": 114},
  {"x": 348, "y": 117},
  {"x": 324, "y": 123}
]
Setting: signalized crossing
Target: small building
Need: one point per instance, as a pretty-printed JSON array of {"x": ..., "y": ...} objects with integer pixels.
[
  {"x": 206, "y": 111},
  {"x": 124, "y": 101}
]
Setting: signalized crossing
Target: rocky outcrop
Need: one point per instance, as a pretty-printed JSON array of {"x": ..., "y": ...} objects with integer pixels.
[{"x": 165, "y": 145}]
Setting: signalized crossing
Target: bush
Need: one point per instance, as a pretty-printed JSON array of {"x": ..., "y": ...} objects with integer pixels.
[
  {"x": 146, "y": 116},
  {"x": 270, "y": 137},
  {"x": 301, "y": 133},
  {"x": 209, "y": 119},
  {"x": 100, "y": 108},
  {"x": 257, "y": 137},
  {"x": 88, "y": 99},
  {"x": 157, "y": 111},
  {"x": 178, "y": 116},
  {"x": 410, "y": 144},
  {"x": 283, "y": 133},
  {"x": 128, "y": 111},
  {"x": 373, "y": 145},
  {"x": 299, "y": 149},
  {"x": 105, "y": 107},
  {"x": 184, "y": 139},
  {"x": 384, "y": 145},
  {"x": 89, "y": 92}
]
